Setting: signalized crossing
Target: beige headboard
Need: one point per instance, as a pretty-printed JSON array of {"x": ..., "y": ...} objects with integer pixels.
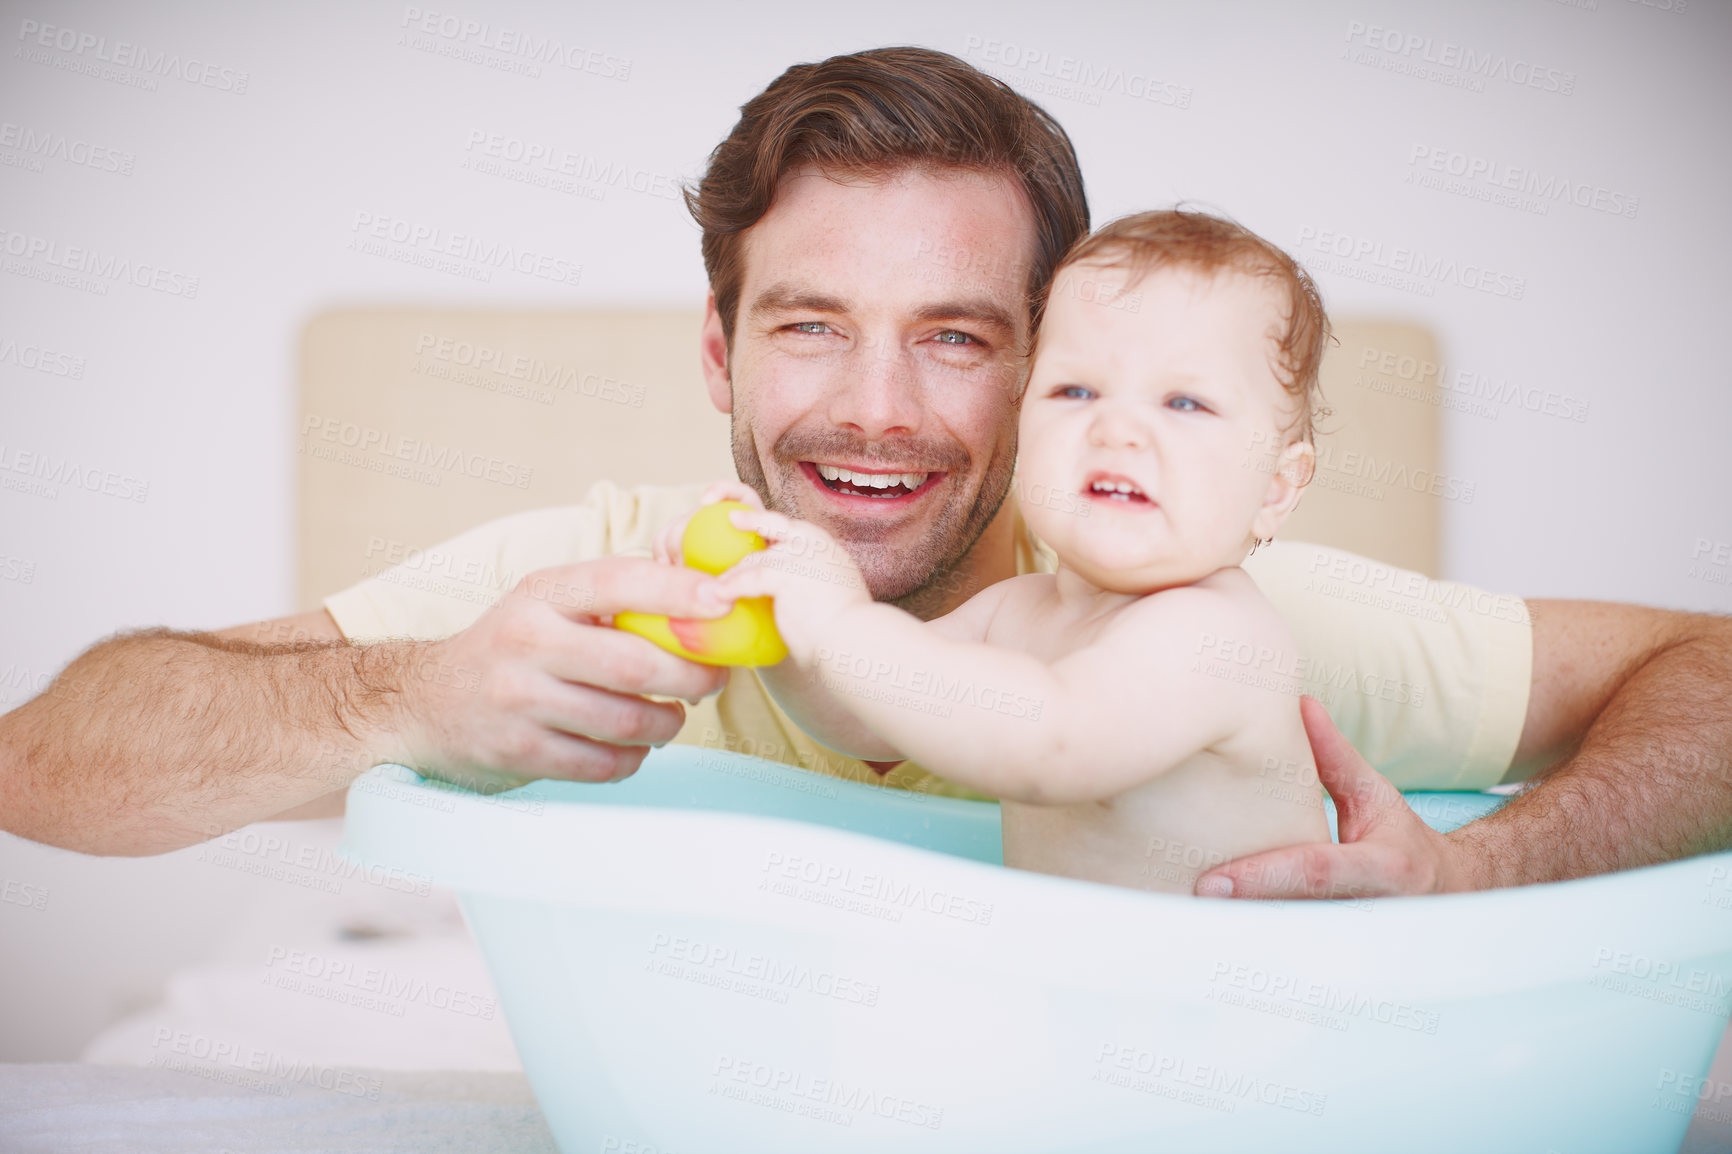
[{"x": 416, "y": 424}]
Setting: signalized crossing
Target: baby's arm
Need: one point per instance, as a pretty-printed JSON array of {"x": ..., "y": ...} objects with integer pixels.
[
  {"x": 819, "y": 576},
  {"x": 808, "y": 692},
  {"x": 1095, "y": 724},
  {"x": 1091, "y": 726}
]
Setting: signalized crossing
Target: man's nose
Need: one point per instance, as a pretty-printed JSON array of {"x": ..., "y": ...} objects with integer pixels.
[{"x": 878, "y": 392}]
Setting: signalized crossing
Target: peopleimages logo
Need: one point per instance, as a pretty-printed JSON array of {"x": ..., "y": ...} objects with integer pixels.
[
  {"x": 424, "y": 244},
  {"x": 1336, "y": 1004},
  {"x": 366, "y": 439},
  {"x": 1517, "y": 186},
  {"x": 1074, "y": 78},
  {"x": 885, "y": 895},
  {"x": 1364, "y": 258},
  {"x": 390, "y": 990},
  {"x": 47, "y": 468},
  {"x": 581, "y": 167},
  {"x": 41, "y": 359},
  {"x": 80, "y": 262},
  {"x": 790, "y": 1090},
  {"x": 1401, "y": 374},
  {"x": 42, "y": 144},
  {"x": 86, "y": 46},
  {"x": 459, "y": 33},
  {"x": 533, "y": 371},
  {"x": 1137, "y": 1068},
  {"x": 222, "y": 1061},
  {"x": 1428, "y": 58}
]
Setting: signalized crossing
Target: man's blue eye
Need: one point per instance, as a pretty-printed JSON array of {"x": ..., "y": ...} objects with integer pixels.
[
  {"x": 815, "y": 327},
  {"x": 952, "y": 337}
]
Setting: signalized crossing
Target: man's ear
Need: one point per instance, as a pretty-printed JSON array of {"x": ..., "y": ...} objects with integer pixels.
[
  {"x": 1293, "y": 471},
  {"x": 713, "y": 354}
]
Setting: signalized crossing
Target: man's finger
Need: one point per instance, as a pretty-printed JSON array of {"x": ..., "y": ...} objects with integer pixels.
[
  {"x": 622, "y": 662},
  {"x": 567, "y": 757},
  {"x": 610, "y": 585},
  {"x": 1320, "y": 871},
  {"x": 611, "y": 718},
  {"x": 1361, "y": 794}
]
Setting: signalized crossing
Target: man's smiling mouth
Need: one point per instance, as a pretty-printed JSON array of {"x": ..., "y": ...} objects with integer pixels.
[{"x": 875, "y": 484}]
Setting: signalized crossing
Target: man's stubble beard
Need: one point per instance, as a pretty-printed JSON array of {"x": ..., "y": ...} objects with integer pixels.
[{"x": 921, "y": 578}]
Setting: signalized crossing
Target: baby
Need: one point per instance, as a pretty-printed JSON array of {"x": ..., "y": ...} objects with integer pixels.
[{"x": 1165, "y": 430}]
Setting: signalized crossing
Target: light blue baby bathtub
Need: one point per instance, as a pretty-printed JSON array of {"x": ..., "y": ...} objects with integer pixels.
[{"x": 725, "y": 954}]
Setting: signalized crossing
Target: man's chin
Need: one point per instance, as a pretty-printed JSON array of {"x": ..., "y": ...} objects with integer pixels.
[
  {"x": 896, "y": 559},
  {"x": 918, "y": 578},
  {"x": 896, "y": 585}
]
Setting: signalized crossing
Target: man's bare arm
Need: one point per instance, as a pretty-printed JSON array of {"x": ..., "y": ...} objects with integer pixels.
[
  {"x": 296, "y": 629},
  {"x": 1629, "y": 724},
  {"x": 155, "y": 740}
]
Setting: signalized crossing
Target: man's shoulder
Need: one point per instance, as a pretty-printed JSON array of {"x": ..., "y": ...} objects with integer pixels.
[
  {"x": 438, "y": 591},
  {"x": 1325, "y": 581},
  {"x": 611, "y": 519},
  {"x": 1282, "y": 561}
]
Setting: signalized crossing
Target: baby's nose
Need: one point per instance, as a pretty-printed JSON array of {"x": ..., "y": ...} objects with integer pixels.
[{"x": 1113, "y": 428}]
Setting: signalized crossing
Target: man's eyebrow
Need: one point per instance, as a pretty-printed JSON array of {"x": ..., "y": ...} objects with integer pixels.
[
  {"x": 783, "y": 298},
  {"x": 980, "y": 311}
]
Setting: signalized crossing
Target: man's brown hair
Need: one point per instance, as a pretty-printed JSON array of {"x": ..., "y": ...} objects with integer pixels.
[
  {"x": 874, "y": 113},
  {"x": 1148, "y": 241}
]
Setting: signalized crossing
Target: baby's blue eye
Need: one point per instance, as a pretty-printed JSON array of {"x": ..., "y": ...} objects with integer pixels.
[
  {"x": 1073, "y": 392},
  {"x": 1185, "y": 405}
]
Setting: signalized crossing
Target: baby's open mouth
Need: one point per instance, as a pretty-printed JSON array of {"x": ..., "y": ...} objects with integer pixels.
[
  {"x": 879, "y": 485},
  {"x": 1117, "y": 489}
]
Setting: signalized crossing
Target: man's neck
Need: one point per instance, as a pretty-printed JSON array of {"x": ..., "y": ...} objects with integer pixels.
[{"x": 992, "y": 559}]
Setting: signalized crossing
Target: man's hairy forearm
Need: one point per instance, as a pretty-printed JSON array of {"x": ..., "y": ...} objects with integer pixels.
[
  {"x": 155, "y": 740},
  {"x": 1651, "y": 780}
]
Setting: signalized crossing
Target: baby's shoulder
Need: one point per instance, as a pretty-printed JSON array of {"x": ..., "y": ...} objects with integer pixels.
[{"x": 1225, "y": 605}]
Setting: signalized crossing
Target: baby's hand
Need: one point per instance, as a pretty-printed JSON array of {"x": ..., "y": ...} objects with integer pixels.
[
  {"x": 667, "y": 543},
  {"x": 810, "y": 575}
]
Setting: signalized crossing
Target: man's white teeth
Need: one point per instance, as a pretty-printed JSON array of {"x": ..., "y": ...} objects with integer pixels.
[{"x": 871, "y": 480}]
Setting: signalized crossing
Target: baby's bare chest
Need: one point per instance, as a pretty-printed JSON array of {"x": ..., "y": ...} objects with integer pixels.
[{"x": 1042, "y": 628}]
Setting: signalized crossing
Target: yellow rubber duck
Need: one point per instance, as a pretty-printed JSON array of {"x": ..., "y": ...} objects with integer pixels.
[{"x": 747, "y": 635}]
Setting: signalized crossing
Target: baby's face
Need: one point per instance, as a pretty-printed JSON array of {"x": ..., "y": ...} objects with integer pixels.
[{"x": 1168, "y": 391}]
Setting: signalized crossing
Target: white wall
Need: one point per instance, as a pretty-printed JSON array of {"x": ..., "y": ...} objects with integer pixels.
[{"x": 1294, "y": 118}]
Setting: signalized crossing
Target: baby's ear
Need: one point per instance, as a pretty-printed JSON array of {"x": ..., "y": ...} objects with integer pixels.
[
  {"x": 1299, "y": 461},
  {"x": 1293, "y": 470}
]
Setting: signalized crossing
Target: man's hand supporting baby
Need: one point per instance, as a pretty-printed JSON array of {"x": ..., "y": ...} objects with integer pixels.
[{"x": 1385, "y": 849}]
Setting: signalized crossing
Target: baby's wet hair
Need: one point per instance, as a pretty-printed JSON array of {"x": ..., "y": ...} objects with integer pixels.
[{"x": 1146, "y": 242}]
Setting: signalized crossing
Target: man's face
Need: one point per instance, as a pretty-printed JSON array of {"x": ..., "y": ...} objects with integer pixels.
[{"x": 874, "y": 372}]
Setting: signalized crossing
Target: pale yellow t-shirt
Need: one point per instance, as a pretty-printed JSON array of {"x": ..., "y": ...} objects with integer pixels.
[{"x": 1428, "y": 679}]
